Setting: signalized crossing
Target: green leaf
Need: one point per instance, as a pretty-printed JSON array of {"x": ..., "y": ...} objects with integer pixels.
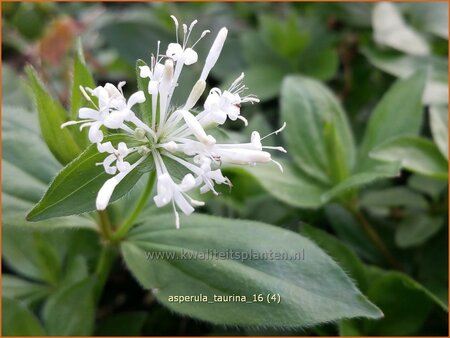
[
  {"x": 252, "y": 43},
  {"x": 18, "y": 251},
  {"x": 402, "y": 318},
  {"x": 26, "y": 291},
  {"x": 18, "y": 320},
  {"x": 344, "y": 256},
  {"x": 264, "y": 81},
  {"x": 399, "y": 113},
  {"x": 28, "y": 152},
  {"x": 310, "y": 110},
  {"x": 17, "y": 118},
  {"x": 439, "y": 127},
  {"x": 391, "y": 30},
  {"x": 71, "y": 310},
  {"x": 27, "y": 250},
  {"x": 75, "y": 188},
  {"x": 319, "y": 58},
  {"x": 145, "y": 107},
  {"x": 128, "y": 35},
  {"x": 289, "y": 187},
  {"x": 284, "y": 36},
  {"x": 435, "y": 276},
  {"x": 417, "y": 229},
  {"x": 414, "y": 153},
  {"x": 402, "y": 65},
  {"x": 307, "y": 297},
  {"x": 14, "y": 91},
  {"x": 429, "y": 186},
  {"x": 61, "y": 142},
  {"x": 382, "y": 200},
  {"x": 47, "y": 259},
  {"x": 321, "y": 63},
  {"x": 28, "y": 167},
  {"x": 430, "y": 16},
  {"x": 361, "y": 179},
  {"x": 81, "y": 77}
]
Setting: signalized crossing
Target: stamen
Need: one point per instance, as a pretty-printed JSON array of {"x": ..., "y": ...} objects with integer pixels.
[
  {"x": 275, "y": 148},
  {"x": 71, "y": 123},
  {"x": 278, "y": 164},
  {"x": 83, "y": 91},
  {"x": 236, "y": 82},
  {"x": 176, "y": 26},
  {"x": 193, "y": 23},
  {"x": 177, "y": 216},
  {"x": 276, "y": 131},
  {"x": 120, "y": 85},
  {"x": 243, "y": 119},
  {"x": 194, "y": 202},
  {"x": 201, "y": 37},
  {"x": 87, "y": 124},
  {"x": 184, "y": 35},
  {"x": 190, "y": 30},
  {"x": 157, "y": 50},
  {"x": 87, "y": 97}
]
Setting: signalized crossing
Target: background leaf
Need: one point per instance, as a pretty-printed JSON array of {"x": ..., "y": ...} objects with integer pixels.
[
  {"x": 308, "y": 107},
  {"x": 61, "y": 142},
  {"x": 17, "y": 320},
  {"x": 416, "y": 154},
  {"x": 401, "y": 318},
  {"x": 398, "y": 113},
  {"x": 29, "y": 293},
  {"x": 289, "y": 187},
  {"x": 71, "y": 311},
  {"x": 345, "y": 257},
  {"x": 439, "y": 127},
  {"x": 81, "y": 77},
  {"x": 416, "y": 229}
]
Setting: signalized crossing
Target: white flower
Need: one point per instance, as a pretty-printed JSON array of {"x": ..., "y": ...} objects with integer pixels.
[
  {"x": 227, "y": 104},
  {"x": 176, "y": 134},
  {"x": 116, "y": 156},
  {"x": 106, "y": 191},
  {"x": 112, "y": 111}
]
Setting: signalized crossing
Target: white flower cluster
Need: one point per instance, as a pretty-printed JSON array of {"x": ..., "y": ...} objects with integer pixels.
[{"x": 174, "y": 132}]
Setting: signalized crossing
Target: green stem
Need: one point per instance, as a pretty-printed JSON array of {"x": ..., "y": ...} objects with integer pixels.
[
  {"x": 374, "y": 237},
  {"x": 105, "y": 225},
  {"x": 129, "y": 222},
  {"x": 104, "y": 264}
]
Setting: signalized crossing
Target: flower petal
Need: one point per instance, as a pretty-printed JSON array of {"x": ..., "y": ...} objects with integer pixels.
[
  {"x": 106, "y": 191},
  {"x": 95, "y": 134}
]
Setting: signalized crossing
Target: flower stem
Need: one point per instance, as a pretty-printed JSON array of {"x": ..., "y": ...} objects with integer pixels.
[
  {"x": 129, "y": 222},
  {"x": 104, "y": 264},
  {"x": 374, "y": 237},
  {"x": 104, "y": 225}
]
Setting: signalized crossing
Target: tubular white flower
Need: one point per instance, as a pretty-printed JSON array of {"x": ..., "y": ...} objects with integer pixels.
[
  {"x": 227, "y": 104},
  {"x": 195, "y": 94},
  {"x": 106, "y": 191},
  {"x": 164, "y": 88},
  {"x": 214, "y": 53},
  {"x": 196, "y": 128},
  {"x": 117, "y": 155}
]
